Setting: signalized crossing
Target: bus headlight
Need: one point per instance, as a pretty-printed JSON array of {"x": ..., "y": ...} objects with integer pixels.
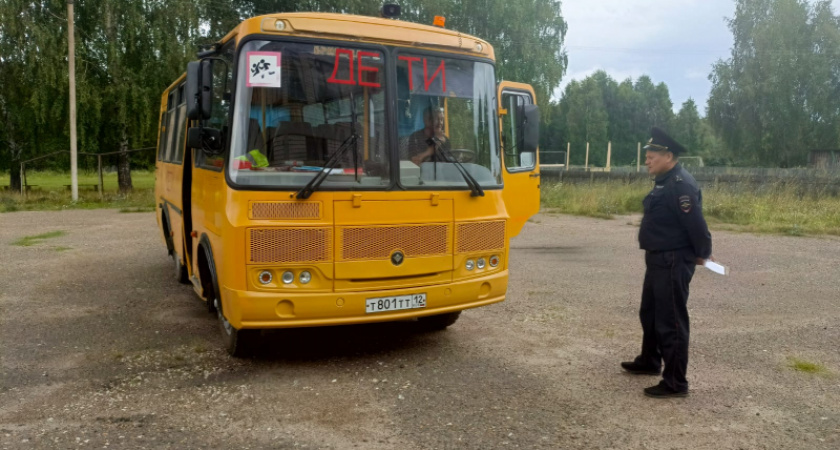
[
  {"x": 481, "y": 263},
  {"x": 305, "y": 277},
  {"x": 265, "y": 277},
  {"x": 288, "y": 277},
  {"x": 470, "y": 264}
]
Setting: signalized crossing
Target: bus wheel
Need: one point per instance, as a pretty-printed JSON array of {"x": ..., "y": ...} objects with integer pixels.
[
  {"x": 440, "y": 321},
  {"x": 238, "y": 343}
]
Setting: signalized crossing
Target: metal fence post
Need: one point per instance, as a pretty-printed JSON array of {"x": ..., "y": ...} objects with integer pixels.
[
  {"x": 568, "y": 151},
  {"x": 99, "y": 164},
  {"x": 22, "y": 178},
  {"x": 638, "y": 156},
  {"x": 586, "y": 163}
]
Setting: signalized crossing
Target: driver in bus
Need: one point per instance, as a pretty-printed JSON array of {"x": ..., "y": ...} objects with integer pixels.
[{"x": 421, "y": 143}]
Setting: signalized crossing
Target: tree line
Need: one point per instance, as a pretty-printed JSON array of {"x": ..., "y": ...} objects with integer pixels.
[{"x": 773, "y": 99}]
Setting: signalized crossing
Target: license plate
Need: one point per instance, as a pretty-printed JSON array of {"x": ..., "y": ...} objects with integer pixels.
[{"x": 395, "y": 303}]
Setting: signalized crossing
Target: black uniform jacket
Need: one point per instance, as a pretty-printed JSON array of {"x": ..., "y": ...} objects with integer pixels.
[{"x": 674, "y": 216}]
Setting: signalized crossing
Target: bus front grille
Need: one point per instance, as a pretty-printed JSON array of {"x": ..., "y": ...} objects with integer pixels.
[
  {"x": 285, "y": 210},
  {"x": 289, "y": 245},
  {"x": 480, "y": 236},
  {"x": 372, "y": 243}
]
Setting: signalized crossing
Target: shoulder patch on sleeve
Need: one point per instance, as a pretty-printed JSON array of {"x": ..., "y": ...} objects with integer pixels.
[{"x": 685, "y": 203}]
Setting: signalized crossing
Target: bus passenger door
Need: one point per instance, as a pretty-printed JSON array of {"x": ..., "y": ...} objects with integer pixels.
[{"x": 517, "y": 106}]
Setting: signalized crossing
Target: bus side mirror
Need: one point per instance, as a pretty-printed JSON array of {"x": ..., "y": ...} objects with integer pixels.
[
  {"x": 207, "y": 139},
  {"x": 199, "y": 89},
  {"x": 531, "y": 128}
]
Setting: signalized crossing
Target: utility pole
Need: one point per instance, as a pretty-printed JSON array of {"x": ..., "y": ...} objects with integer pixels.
[{"x": 71, "y": 41}]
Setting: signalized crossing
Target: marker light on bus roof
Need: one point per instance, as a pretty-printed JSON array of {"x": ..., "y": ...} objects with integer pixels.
[
  {"x": 265, "y": 277},
  {"x": 288, "y": 277},
  {"x": 279, "y": 25},
  {"x": 440, "y": 21},
  {"x": 479, "y": 47}
]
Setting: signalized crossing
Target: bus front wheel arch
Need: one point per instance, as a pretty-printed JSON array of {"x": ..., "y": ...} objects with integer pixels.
[{"x": 238, "y": 342}]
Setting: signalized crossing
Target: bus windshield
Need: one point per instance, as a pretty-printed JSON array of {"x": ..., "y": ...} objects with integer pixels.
[
  {"x": 446, "y": 112},
  {"x": 301, "y": 106}
]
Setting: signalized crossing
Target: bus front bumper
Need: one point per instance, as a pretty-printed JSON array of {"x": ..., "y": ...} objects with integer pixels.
[{"x": 250, "y": 309}]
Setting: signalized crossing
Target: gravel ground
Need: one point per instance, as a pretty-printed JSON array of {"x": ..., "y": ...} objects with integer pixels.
[{"x": 101, "y": 348}]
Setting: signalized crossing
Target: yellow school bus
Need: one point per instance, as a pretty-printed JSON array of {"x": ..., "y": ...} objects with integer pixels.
[{"x": 325, "y": 169}]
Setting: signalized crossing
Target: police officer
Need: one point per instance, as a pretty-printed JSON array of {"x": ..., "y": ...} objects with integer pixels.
[{"x": 675, "y": 237}]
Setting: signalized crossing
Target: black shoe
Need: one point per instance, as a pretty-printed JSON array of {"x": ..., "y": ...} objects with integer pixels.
[
  {"x": 638, "y": 369},
  {"x": 662, "y": 391}
]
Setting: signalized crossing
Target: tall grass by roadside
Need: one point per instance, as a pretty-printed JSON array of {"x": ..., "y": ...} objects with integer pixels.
[
  {"x": 50, "y": 194},
  {"x": 783, "y": 208},
  {"x": 139, "y": 199},
  {"x": 52, "y": 180}
]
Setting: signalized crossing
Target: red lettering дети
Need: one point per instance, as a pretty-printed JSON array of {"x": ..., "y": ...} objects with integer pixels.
[
  {"x": 372, "y": 70},
  {"x": 410, "y": 60},
  {"x": 332, "y": 78},
  {"x": 440, "y": 70}
]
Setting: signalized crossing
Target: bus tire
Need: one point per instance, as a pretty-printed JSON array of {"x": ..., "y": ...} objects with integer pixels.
[
  {"x": 440, "y": 321},
  {"x": 238, "y": 343}
]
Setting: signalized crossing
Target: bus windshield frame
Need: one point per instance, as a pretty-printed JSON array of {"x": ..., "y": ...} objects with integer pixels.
[{"x": 365, "y": 82}]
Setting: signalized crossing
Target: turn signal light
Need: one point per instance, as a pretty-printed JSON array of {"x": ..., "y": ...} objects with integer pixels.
[{"x": 494, "y": 261}]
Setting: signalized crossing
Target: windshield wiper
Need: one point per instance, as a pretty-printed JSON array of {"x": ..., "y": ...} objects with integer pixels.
[
  {"x": 475, "y": 188},
  {"x": 336, "y": 157},
  {"x": 313, "y": 184}
]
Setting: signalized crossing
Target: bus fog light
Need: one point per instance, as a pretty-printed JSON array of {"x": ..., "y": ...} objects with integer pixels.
[
  {"x": 470, "y": 264},
  {"x": 288, "y": 277},
  {"x": 265, "y": 277},
  {"x": 494, "y": 261},
  {"x": 481, "y": 263},
  {"x": 305, "y": 277}
]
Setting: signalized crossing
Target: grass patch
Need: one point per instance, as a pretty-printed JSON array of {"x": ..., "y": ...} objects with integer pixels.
[
  {"x": 48, "y": 193},
  {"x": 51, "y": 180},
  {"x": 139, "y": 200},
  {"x": 800, "y": 365},
  {"x": 784, "y": 208},
  {"x": 29, "y": 241},
  {"x": 62, "y": 248},
  {"x": 138, "y": 209}
]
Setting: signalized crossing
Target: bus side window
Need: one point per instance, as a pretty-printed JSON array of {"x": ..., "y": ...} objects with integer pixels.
[
  {"x": 162, "y": 132},
  {"x": 171, "y": 127},
  {"x": 180, "y": 127},
  {"x": 220, "y": 118}
]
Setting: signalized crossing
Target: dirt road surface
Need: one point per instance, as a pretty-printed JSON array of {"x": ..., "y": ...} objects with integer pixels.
[{"x": 100, "y": 347}]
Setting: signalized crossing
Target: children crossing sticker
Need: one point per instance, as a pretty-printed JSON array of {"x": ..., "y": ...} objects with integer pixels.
[{"x": 263, "y": 69}]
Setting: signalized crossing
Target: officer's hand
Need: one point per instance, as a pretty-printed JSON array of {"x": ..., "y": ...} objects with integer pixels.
[{"x": 701, "y": 261}]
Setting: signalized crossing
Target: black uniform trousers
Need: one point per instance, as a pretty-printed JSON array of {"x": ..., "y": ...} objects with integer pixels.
[{"x": 664, "y": 314}]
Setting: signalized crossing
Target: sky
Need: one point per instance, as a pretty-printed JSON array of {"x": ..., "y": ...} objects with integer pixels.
[{"x": 672, "y": 41}]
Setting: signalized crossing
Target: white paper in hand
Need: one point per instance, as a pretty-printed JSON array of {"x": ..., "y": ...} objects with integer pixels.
[{"x": 716, "y": 268}]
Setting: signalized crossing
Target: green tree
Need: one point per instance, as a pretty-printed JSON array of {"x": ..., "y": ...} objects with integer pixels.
[
  {"x": 688, "y": 128},
  {"x": 777, "y": 95}
]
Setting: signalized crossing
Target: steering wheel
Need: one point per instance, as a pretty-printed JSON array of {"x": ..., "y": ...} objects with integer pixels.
[{"x": 463, "y": 155}]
